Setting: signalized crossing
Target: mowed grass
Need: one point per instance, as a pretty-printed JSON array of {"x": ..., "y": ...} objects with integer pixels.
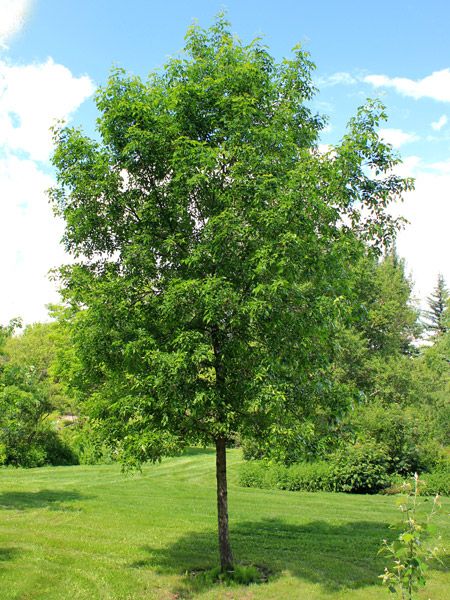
[{"x": 91, "y": 533}]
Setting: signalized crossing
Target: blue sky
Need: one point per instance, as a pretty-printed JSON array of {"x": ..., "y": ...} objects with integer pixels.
[{"x": 53, "y": 54}]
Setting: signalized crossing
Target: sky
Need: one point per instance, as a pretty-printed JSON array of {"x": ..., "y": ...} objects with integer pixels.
[{"x": 53, "y": 56}]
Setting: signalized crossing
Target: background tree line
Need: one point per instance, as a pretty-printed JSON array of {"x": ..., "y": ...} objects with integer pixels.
[{"x": 396, "y": 390}]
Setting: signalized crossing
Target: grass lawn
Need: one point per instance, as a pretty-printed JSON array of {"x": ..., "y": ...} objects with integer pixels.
[{"x": 91, "y": 533}]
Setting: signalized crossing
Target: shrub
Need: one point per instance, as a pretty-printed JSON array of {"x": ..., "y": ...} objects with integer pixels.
[
  {"x": 56, "y": 449},
  {"x": 3, "y": 454},
  {"x": 406, "y": 440},
  {"x": 438, "y": 481},
  {"x": 85, "y": 443},
  {"x": 361, "y": 469},
  {"x": 354, "y": 468},
  {"x": 253, "y": 474},
  {"x": 36, "y": 449},
  {"x": 309, "y": 477},
  {"x": 27, "y": 455}
]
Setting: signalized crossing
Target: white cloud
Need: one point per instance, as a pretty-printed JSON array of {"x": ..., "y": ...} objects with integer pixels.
[
  {"x": 324, "y": 148},
  {"x": 409, "y": 166},
  {"x": 29, "y": 240},
  {"x": 340, "y": 78},
  {"x": 440, "y": 123},
  {"x": 397, "y": 137},
  {"x": 32, "y": 97},
  {"x": 436, "y": 85},
  {"x": 443, "y": 167},
  {"x": 424, "y": 243},
  {"x": 13, "y": 14}
]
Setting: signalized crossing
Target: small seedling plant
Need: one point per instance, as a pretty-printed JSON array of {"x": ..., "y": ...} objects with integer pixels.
[{"x": 410, "y": 555}]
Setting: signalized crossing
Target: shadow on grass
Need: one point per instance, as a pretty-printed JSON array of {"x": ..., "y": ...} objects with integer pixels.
[
  {"x": 7, "y": 554},
  {"x": 334, "y": 556},
  {"x": 51, "y": 499}
]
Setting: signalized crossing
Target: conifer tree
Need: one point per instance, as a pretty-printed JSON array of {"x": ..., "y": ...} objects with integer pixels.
[{"x": 438, "y": 308}]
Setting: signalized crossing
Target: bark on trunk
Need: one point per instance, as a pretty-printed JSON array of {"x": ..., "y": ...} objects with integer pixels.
[{"x": 226, "y": 556}]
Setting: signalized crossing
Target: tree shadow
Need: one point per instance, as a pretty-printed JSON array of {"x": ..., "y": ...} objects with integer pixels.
[
  {"x": 50, "y": 499},
  {"x": 335, "y": 556},
  {"x": 7, "y": 554}
]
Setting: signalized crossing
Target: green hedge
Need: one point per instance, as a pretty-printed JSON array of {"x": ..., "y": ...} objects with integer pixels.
[
  {"x": 436, "y": 482},
  {"x": 343, "y": 474},
  {"x": 309, "y": 477},
  {"x": 354, "y": 468}
]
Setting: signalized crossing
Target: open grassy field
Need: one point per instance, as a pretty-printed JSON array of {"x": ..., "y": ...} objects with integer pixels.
[{"x": 72, "y": 533}]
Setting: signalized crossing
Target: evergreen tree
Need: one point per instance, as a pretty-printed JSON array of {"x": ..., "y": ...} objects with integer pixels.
[{"x": 438, "y": 303}]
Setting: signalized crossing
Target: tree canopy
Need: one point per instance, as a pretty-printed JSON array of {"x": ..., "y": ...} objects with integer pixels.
[{"x": 212, "y": 242}]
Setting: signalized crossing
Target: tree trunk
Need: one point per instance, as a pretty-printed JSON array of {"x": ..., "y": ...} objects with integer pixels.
[{"x": 226, "y": 556}]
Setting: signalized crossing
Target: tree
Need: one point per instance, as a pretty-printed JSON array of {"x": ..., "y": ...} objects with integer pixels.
[
  {"x": 392, "y": 320},
  {"x": 433, "y": 369},
  {"x": 35, "y": 350},
  {"x": 373, "y": 360},
  {"x": 28, "y": 396},
  {"x": 432, "y": 373},
  {"x": 212, "y": 241},
  {"x": 376, "y": 351},
  {"x": 438, "y": 303},
  {"x": 6, "y": 332}
]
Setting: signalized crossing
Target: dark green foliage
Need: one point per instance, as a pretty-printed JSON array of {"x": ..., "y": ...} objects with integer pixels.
[
  {"x": 375, "y": 351},
  {"x": 435, "y": 482},
  {"x": 254, "y": 474},
  {"x": 360, "y": 469},
  {"x": 57, "y": 451},
  {"x": 439, "y": 418},
  {"x": 391, "y": 324},
  {"x": 309, "y": 440},
  {"x": 401, "y": 432},
  {"x": 354, "y": 469},
  {"x": 26, "y": 439}
]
